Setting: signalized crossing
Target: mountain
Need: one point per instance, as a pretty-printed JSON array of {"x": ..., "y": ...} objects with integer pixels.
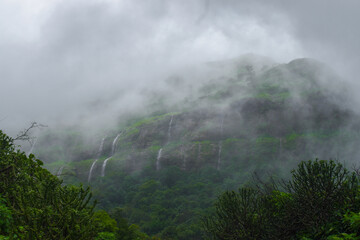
[{"x": 208, "y": 132}]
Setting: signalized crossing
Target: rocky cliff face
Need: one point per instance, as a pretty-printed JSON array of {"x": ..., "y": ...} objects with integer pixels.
[
  {"x": 255, "y": 116},
  {"x": 165, "y": 167}
]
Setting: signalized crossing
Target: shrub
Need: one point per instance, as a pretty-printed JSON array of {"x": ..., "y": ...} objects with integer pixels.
[{"x": 311, "y": 206}]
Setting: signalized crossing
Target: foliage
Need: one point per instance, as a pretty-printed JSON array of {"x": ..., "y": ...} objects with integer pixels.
[
  {"x": 5, "y": 219},
  {"x": 124, "y": 231},
  {"x": 41, "y": 208},
  {"x": 104, "y": 222},
  {"x": 351, "y": 227},
  {"x": 35, "y": 205},
  {"x": 166, "y": 204},
  {"x": 106, "y": 236},
  {"x": 237, "y": 215},
  {"x": 320, "y": 189},
  {"x": 263, "y": 121},
  {"x": 310, "y": 206}
]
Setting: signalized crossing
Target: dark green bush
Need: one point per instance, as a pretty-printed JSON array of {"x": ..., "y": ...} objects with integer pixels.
[
  {"x": 312, "y": 205},
  {"x": 40, "y": 207}
]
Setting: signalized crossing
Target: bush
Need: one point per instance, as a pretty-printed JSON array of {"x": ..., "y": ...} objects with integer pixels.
[
  {"x": 40, "y": 207},
  {"x": 5, "y": 218},
  {"x": 313, "y": 205}
]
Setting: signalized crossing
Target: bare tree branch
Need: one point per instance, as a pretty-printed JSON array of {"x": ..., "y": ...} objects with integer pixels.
[
  {"x": 356, "y": 169},
  {"x": 25, "y": 136}
]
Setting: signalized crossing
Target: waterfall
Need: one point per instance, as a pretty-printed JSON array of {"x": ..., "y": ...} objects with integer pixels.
[
  {"x": 60, "y": 171},
  {"x": 114, "y": 144},
  {"x": 158, "y": 159},
  {"x": 170, "y": 125},
  {"x": 219, "y": 156},
  {"x": 199, "y": 152},
  {"x": 220, "y": 142},
  {"x": 222, "y": 124},
  {"x": 91, "y": 170},
  {"x": 101, "y": 147},
  {"x": 104, "y": 166},
  {"x": 112, "y": 154},
  {"x": 32, "y": 146},
  {"x": 97, "y": 157}
]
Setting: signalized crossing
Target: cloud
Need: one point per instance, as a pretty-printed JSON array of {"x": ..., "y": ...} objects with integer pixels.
[{"x": 65, "y": 61}]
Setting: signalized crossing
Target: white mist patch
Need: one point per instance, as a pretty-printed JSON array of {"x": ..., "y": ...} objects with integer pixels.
[{"x": 95, "y": 58}]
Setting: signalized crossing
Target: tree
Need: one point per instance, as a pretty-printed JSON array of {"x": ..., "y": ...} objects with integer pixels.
[
  {"x": 41, "y": 208},
  {"x": 320, "y": 191},
  {"x": 237, "y": 216},
  {"x": 5, "y": 219},
  {"x": 314, "y": 205}
]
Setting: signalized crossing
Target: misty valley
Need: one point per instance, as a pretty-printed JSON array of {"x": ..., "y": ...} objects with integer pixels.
[{"x": 224, "y": 156}]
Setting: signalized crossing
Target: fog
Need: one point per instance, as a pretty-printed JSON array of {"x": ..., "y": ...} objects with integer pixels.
[{"x": 89, "y": 62}]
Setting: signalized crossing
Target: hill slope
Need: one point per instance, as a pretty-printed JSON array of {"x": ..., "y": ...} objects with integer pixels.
[{"x": 247, "y": 115}]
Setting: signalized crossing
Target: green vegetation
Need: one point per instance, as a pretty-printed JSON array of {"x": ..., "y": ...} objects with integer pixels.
[
  {"x": 5, "y": 219},
  {"x": 40, "y": 207},
  {"x": 168, "y": 204},
  {"x": 321, "y": 201},
  {"x": 262, "y": 120},
  {"x": 35, "y": 205}
]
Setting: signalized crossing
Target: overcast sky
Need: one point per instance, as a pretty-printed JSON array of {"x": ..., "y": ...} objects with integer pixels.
[{"x": 59, "y": 59}]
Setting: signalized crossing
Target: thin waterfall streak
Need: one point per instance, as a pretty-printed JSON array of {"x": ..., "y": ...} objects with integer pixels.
[
  {"x": 60, "y": 171},
  {"x": 97, "y": 157},
  {"x": 114, "y": 144},
  {"x": 101, "y": 147},
  {"x": 158, "y": 160},
  {"x": 104, "y": 166},
  {"x": 170, "y": 126},
  {"x": 222, "y": 124},
  {"x": 91, "y": 170},
  {"x": 219, "y": 156},
  {"x": 220, "y": 143}
]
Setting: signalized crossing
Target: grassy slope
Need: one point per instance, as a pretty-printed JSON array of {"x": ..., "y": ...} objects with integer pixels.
[{"x": 270, "y": 121}]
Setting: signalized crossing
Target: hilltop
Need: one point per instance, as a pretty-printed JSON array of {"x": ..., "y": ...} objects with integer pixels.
[{"x": 241, "y": 116}]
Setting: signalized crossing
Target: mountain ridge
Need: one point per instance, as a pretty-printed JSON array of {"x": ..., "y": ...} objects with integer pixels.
[{"x": 251, "y": 120}]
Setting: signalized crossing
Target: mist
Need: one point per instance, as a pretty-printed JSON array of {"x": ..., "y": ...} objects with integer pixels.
[
  {"x": 157, "y": 107},
  {"x": 90, "y": 63}
]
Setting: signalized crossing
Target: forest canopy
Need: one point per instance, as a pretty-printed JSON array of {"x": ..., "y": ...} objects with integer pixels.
[
  {"x": 320, "y": 201},
  {"x": 35, "y": 205}
]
